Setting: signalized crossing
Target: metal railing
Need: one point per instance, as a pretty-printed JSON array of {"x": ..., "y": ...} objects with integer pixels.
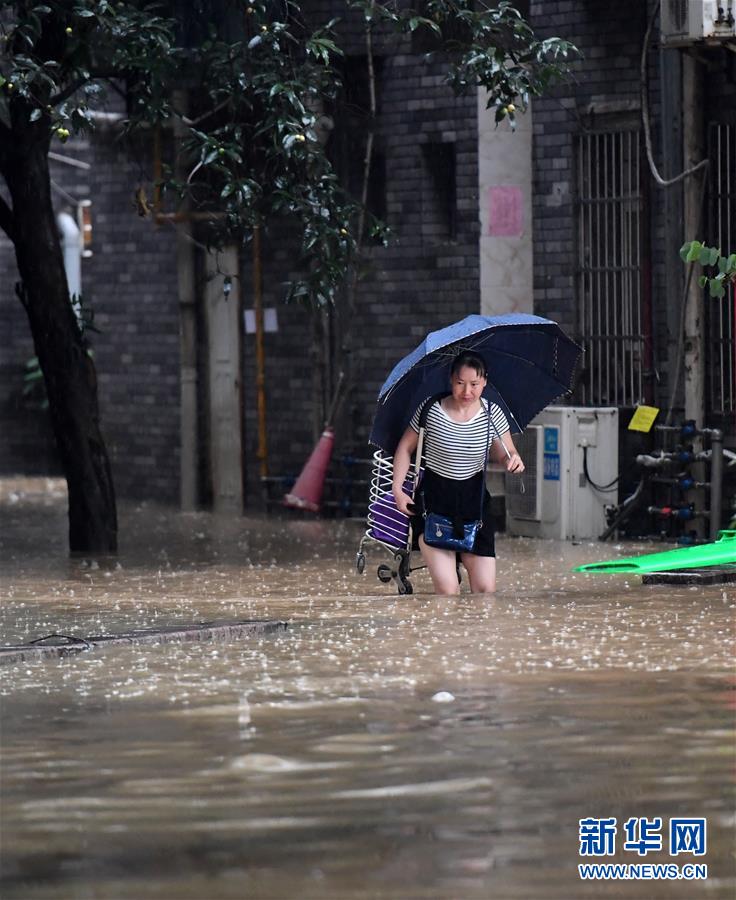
[{"x": 612, "y": 326}]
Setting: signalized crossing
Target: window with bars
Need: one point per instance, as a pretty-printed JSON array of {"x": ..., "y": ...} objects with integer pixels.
[
  {"x": 609, "y": 279},
  {"x": 720, "y": 318}
]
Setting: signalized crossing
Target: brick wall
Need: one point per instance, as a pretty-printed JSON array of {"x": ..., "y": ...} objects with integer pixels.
[
  {"x": 133, "y": 280},
  {"x": 426, "y": 278},
  {"x": 27, "y": 444},
  {"x": 610, "y": 37},
  {"x": 130, "y": 284},
  {"x": 422, "y": 281}
]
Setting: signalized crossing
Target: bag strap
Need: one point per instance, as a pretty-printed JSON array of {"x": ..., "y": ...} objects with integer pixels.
[
  {"x": 422, "y": 426},
  {"x": 428, "y": 404}
]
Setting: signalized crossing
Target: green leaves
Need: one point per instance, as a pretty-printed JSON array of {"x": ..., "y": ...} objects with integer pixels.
[
  {"x": 59, "y": 56},
  {"x": 486, "y": 46},
  {"x": 422, "y": 22},
  {"x": 698, "y": 252},
  {"x": 254, "y": 152},
  {"x": 261, "y": 84},
  {"x": 727, "y": 265},
  {"x": 321, "y": 48}
]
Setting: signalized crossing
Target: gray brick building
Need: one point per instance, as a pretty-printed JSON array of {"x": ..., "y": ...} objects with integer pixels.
[
  {"x": 606, "y": 234},
  {"x": 427, "y": 184}
]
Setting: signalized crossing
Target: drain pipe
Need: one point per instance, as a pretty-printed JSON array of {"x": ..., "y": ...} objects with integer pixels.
[
  {"x": 71, "y": 248},
  {"x": 716, "y": 479}
]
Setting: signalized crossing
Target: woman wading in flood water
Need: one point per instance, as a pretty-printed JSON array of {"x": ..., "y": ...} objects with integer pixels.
[{"x": 458, "y": 430}]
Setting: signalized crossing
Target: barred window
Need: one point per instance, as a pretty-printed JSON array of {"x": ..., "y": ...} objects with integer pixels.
[{"x": 609, "y": 281}]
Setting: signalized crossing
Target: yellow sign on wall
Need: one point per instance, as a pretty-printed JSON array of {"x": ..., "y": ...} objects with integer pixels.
[{"x": 643, "y": 418}]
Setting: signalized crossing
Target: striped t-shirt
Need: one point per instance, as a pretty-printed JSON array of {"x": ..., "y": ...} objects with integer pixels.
[{"x": 457, "y": 449}]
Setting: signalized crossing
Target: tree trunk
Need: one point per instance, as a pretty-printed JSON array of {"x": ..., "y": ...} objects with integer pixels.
[{"x": 69, "y": 372}]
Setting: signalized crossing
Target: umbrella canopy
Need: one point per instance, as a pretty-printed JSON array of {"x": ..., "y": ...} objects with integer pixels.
[{"x": 530, "y": 361}]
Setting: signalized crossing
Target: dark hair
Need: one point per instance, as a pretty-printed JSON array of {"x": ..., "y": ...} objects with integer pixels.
[{"x": 472, "y": 361}]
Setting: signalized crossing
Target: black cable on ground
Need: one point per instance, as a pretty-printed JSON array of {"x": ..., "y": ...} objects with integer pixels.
[{"x": 67, "y": 637}]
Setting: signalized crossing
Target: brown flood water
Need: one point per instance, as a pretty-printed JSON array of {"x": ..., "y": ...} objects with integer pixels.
[{"x": 383, "y": 747}]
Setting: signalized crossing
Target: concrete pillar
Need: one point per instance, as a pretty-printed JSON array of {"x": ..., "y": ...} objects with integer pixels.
[
  {"x": 223, "y": 316},
  {"x": 505, "y": 194},
  {"x": 187, "y": 291}
]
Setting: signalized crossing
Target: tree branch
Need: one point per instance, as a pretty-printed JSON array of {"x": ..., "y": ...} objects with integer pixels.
[
  {"x": 7, "y": 220},
  {"x": 68, "y": 91},
  {"x": 190, "y": 123}
]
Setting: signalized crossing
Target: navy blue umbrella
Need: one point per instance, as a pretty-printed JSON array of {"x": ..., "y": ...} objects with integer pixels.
[{"x": 531, "y": 362}]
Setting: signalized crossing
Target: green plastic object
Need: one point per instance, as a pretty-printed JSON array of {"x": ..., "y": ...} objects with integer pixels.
[{"x": 720, "y": 553}]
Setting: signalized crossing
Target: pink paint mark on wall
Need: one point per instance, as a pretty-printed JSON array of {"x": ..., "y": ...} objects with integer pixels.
[{"x": 506, "y": 211}]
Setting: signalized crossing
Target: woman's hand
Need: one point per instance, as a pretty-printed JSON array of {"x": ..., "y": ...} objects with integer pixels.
[
  {"x": 404, "y": 503},
  {"x": 402, "y": 462},
  {"x": 515, "y": 464}
]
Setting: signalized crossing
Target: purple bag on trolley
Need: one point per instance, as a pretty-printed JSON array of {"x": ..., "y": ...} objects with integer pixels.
[{"x": 388, "y": 524}]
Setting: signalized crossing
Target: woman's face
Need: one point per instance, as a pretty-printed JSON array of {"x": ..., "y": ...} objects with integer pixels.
[{"x": 467, "y": 386}]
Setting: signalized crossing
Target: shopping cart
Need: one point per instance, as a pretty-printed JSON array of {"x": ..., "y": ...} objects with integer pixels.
[{"x": 388, "y": 527}]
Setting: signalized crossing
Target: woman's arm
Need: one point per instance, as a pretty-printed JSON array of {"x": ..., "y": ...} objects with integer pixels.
[
  {"x": 402, "y": 460},
  {"x": 503, "y": 450}
]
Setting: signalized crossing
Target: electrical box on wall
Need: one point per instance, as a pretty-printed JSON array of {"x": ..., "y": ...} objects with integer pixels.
[
  {"x": 559, "y": 499},
  {"x": 687, "y": 22}
]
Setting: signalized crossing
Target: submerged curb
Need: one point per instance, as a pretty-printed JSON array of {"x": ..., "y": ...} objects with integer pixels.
[
  {"x": 710, "y": 575},
  {"x": 66, "y": 645}
]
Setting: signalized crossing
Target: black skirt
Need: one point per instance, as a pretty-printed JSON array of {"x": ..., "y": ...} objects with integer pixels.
[{"x": 459, "y": 499}]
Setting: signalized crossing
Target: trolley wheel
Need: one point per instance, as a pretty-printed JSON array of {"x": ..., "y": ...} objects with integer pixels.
[
  {"x": 404, "y": 585},
  {"x": 360, "y": 563},
  {"x": 385, "y": 574},
  {"x": 403, "y": 564}
]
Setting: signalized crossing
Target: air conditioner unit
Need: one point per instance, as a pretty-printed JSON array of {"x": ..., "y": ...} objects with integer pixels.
[
  {"x": 686, "y": 22},
  {"x": 558, "y": 499}
]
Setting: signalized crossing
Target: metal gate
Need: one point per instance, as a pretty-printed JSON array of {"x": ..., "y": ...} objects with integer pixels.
[
  {"x": 610, "y": 300},
  {"x": 720, "y": 319}
]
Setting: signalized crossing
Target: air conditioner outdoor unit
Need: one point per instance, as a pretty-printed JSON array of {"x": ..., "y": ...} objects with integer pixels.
[
  {"x": 558, "y": 500},
  {"x": 687, "y": 22}
]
